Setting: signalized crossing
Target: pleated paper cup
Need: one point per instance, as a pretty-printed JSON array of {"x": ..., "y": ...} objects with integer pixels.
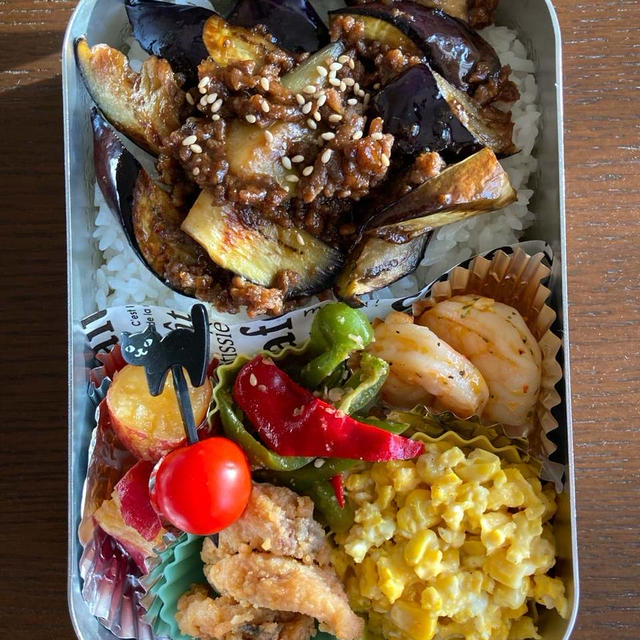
[{"x": 515, "y": 280}]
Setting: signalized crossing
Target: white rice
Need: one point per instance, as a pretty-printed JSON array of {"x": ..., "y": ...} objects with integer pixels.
[{"x": 123, "y": 279}]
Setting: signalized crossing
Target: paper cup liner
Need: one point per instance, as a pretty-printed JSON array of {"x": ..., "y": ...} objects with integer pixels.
[
  {"x": 111, "y": 588},
  {"x": 178, "y": 567},
  {"x": 515, "y": 280}
]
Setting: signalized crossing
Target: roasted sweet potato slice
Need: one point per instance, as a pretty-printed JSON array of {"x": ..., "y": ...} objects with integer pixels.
[{"x": 144, "y": 106}]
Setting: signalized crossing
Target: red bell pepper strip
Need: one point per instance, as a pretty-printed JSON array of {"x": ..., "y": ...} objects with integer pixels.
[
  {"x": 293, "y": 422},
  {"x": 338, "y": 488}
]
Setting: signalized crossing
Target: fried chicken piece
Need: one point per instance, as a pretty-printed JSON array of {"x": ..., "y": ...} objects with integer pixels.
[
  {"x": 223, "y": 618},
  {"x": 276, "y": 520},
  {"x": 274, "y": 582}
]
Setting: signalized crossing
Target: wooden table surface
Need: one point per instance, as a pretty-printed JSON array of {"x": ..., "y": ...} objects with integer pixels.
[{"x": 602, "y": 138}]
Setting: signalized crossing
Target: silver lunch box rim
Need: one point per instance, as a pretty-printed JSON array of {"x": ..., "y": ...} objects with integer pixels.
[{"x": 68, "y": 76}]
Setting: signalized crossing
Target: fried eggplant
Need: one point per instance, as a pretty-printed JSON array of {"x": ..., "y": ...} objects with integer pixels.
[
  {"x": 227, "y": 44},
  {"x": 477, "y": 184},
  {"x": 294, "y": 23},
  {"x": 249, "y": 152},
  {"x": 375, "y": 263},
  {"x": 170, "y": 31},
  {"x": 420, "y": 119},
  {"x": 490, "y": 126},
  {"x": 145, "y": 106},
  {"x": 149, "y": 219},
  {"x": 450, "y": 47},
  {"x": 261, "y": 252}
]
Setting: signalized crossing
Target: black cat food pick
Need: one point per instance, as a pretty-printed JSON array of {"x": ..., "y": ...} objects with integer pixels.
[{"x": 180, "y": 348}]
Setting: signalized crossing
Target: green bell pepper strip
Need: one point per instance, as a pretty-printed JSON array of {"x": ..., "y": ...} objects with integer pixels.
[
  {"x": 337, "y": 330},
  {"x": 364, "y": 385},
  {"x": 257, "y": 454},
  {"x": 315, "y": 482}
]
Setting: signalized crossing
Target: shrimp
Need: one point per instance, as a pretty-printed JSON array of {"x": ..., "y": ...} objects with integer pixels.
[
  {"x": 496, "y": 339},
  {"x": 425, "y": 370}
]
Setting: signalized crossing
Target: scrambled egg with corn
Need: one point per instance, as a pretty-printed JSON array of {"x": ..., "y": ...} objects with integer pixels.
[{"x": 450, "y": 545}]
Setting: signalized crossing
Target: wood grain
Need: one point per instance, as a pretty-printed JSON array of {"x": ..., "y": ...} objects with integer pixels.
[{"x": 602, "y": 136}]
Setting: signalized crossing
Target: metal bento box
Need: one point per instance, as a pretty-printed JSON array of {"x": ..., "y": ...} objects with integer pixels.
[{"x": 106, "y": 21}]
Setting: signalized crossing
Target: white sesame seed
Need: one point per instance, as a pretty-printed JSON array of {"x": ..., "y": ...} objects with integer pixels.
[
  {"x": 300, "y": 239},
  {"x": 306, "y": 109},
  {"x": 253, "y": 381},
  {"x": 203, "y": 101},
  {"x": 310, "y": 89},
  {"x": 366, "y": 99},
  {"x": 326, "y": 156},
  {"x": 350, "y": 82},
  {"x": 286, "y": 163},
  {"x": 265, "y": 84},
  {"x": 189, "y": 140},
  {"x": 376, "y": 85},
  {"x": 359, "y": 93},
  {"x": 190, "y": 99},
  {"x": 300, "y": 98},
  {"x": 317, "y": 116},
  {"x": 216, "y": 107},
  {"x": 335, "y": 117},
  {"x": 344, "y": 58},
  {"x": 196, "y": 171},
  {"x": 385, "y": 159},
  {"x": 196, "y": 148},
  {"x": 297, "y": 159},
  {"x": 376, "y": 136},
  {"x": 204, "y": 81},
  {"x": 292, "y": 178},
  {"x": 321, "y": 100},
  {"x": 352, "y": 64},
  {"x": 307, "y": 171},
  {"x": 335, "y": 66},
  {"x": 356, "y": 87},
  {"x": 334, "y": 81},
  {"x": 343, "y": 86},
  {"x": 352, "y": 101},
  {"x": 250, "y": 118},
  {"x": 318, "y": 462},
  {"x": 329, "y": 135},
  {"x": 268, "y": 135},
  {"x": 357, "y": 135},
  {"x": 312, "y": 123},
  {"x": 215, "y": 117},
  {"x": 265, "y": 106},
  {"x": 322, "y": 71},
  {"x": 212, "y": 97}
]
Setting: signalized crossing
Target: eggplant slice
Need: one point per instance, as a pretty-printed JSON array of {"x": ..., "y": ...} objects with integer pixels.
[
  {"x": 450, "y": 47},
  {"x": 294, "y": 23},
  {"x": 420, "y": 119},
  {"x": 170, "y": 31},
  {"x": 146, "y": 107},
  {"x": 261, "y": 253},
  {"x": 375, "y": 263},
  {"x": 394, "y": 240},
  {"x": 248, "y": 151},
  {"x": 477, "y": 184},
  {"x": 150, "y": 220},
  {"x": 228, "y": 44}
]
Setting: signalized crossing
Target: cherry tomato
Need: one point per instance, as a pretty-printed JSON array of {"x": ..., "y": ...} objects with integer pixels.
[{"x": 202, "y": 488}]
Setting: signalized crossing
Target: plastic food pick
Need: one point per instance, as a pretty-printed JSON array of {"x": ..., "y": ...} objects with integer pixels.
[{"x": 181, "y": 348}]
